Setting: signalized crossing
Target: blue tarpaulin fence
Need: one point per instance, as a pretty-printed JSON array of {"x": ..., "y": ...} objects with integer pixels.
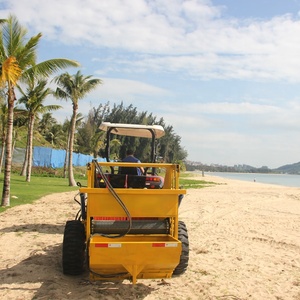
[{"x": 55, "y": 158}]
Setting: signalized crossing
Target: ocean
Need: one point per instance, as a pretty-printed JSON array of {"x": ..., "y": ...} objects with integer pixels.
[{"x": 278, "y": 179}]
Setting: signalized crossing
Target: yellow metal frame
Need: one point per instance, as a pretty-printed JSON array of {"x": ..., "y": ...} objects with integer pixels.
[{"x": 133, "y": 256}]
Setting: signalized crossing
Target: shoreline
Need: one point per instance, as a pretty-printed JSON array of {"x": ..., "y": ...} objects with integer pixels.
[{"x": 281, "y": 180}]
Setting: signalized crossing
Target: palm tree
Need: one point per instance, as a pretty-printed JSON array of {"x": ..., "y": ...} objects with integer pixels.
[
  {"x": 17, "y": 62},
  {"x": 56, "y": 136},
  {"x": 33, "y": 100},
  {"x": 89, "y": 137},
  {"x": 46, "y": 123},
  {"x": 74, "y": 87}
]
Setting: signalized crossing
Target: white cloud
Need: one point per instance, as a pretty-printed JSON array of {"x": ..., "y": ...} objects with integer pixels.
[
  {"x": 127, "y": 88},
  {"x": 189, "y": 36},
  {"x": 226, "y": 108}
]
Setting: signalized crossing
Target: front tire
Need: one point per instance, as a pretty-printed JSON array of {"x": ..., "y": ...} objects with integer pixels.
[
  {"x": 73, "y": 248},
  {"x": 184, "y": 257}
]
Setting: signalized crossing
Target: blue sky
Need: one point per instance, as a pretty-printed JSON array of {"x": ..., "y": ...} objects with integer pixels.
[{"x": 224, "y": 74}]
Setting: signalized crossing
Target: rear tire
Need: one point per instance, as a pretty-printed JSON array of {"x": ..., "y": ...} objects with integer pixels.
[
  {"x": 73, "y": 254},
  {"x": 184, "y": 257}
]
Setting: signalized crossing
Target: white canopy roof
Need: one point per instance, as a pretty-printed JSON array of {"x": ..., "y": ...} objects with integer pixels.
[{"x": 136, "y": 130}]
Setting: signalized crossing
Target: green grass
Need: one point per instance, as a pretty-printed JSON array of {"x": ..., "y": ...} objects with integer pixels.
[
  {"x": 194, "y": 183},
  {"x": 188, "y": 183},
  {"x": 22, "y": 192}
]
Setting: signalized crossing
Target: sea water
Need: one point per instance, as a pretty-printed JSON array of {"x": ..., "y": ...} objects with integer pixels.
[{"x": 278, "y": 179}]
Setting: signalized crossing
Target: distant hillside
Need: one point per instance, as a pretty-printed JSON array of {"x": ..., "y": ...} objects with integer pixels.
[
  {"x": 289, "y": 169},
  {"x": 193, "y": 166}
]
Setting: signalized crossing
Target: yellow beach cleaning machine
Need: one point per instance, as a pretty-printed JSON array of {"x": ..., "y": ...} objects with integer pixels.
[{"x": 127, "y": 226}]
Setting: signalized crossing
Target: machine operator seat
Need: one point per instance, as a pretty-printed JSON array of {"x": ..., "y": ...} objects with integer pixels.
[{"x": 128, "y": 171}]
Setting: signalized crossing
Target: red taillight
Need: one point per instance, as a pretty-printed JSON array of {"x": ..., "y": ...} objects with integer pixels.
[{"x": 155, "y": 179}]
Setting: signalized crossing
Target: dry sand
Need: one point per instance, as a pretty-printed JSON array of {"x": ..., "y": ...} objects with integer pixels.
[{"x": 244, "y": 244}]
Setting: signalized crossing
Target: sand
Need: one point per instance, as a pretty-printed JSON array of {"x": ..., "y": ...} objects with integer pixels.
[{"x": 244, "y": 244}]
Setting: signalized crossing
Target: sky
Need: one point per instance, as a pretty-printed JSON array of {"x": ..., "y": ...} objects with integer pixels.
[{"x": 224, "y": 73}]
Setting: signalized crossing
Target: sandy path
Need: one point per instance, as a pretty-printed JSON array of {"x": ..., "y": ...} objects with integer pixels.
[{"x": 244, "y": 244}]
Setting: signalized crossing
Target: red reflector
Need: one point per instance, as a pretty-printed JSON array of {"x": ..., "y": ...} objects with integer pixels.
[
  {"x": 109, "y": 245},
  {"x": 166, "y": 245},
  {"x": 158, "y": 244},
  {"x": 101, "y": 245}
]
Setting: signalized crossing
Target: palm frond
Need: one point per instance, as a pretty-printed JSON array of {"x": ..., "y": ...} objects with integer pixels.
[
  {"x": 27, "y": 54},
  {"x": 13, "y": 36},
  {"x": 11, "y": 71},
  {"x": 75, "y": 86},
  {"x": 60, "y": 93},
  {"x": 48, "y": 67}
]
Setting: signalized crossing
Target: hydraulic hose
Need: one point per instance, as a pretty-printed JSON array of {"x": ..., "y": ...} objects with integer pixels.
[{"x": 119, "y": 200}]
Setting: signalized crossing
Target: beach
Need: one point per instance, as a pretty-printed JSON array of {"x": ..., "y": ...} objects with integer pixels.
[{"x": 244, "y": 244}]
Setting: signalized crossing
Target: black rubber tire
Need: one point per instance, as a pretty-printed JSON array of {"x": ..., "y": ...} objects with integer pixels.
[
  {"x": 73, "y": 252},
  {"x": 180, "y": 197},
  {"x": 184, "y": 257}
]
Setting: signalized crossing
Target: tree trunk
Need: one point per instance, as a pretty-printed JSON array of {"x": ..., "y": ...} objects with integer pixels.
[
  {"x": 72, "y": 135},
  {"x": 24, "y": 167},
  {"x": 25, "y": 163},
  {"x": 29, "y": 147},
  {"x": 67, "y": 155},
  {"x": 14, "y": 139},
  {"x": 2, "y": 151},
  {"x": 8, "y": 151},
  {"x": 66, "y": 163}
]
